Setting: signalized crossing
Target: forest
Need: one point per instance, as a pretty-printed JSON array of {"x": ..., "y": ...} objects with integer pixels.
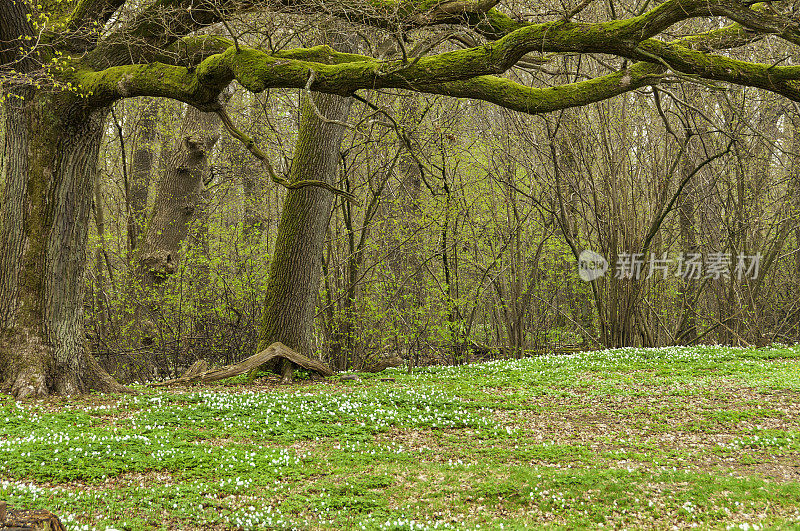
[
  {"x": 463, "y": 237},
  {"x": 486, "y": 243}
]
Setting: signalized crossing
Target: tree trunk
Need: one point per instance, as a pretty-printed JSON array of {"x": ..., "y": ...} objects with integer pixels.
[
  {"x": 101, "y": 261},
  {"x": 687, "y": 325},
  {"x": 295, "y": 269},
  {"x": 51, "y": 147},
  {"x": 180, "y": 196},
  {"x": 180, "y": 200},
  {"x": 141, "y": 171}
]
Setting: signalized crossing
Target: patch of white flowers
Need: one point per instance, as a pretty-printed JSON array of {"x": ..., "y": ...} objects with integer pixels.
[
  {"x": 235, "y": 485},
  {"x": 405, "y": 524},
  {"x": 364, "y": 448},
  {"x": 550, "y": 497},
  {"x": 743, "y": 527},
  {"x": 272, "y": 412},
  {"x": 458, "y": 464},
  {"x": 758, "y": 441},
  {"x": 600, "y": 358},
  {"x": 262, "y": 518},
  {"x": 21, "y": 489}
]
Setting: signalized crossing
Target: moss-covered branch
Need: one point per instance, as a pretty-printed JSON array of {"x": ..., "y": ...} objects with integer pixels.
[
  {"x": 784, "y": 80},
  {"x": 731, "y": 36},
  {"x": 762, "y": 21},
  {"x": 343, "y": 74},
  {"x": 201, "y": 86},
  {"x": 511, "y": 95},
  {"x": 468, "y": 72},
  {"x": 166, "y": 21}
]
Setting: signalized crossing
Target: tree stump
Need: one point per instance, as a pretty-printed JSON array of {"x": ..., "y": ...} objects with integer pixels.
[{"x": 28, "y": 520}]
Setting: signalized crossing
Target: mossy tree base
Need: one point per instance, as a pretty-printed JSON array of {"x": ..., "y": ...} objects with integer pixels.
[{"x": 30, "y": 372}]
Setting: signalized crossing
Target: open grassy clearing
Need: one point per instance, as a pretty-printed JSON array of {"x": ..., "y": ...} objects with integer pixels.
[{"x": 644, "y": 438}]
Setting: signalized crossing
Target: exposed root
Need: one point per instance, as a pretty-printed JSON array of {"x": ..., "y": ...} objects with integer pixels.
[
  {"x": 26, "y": 365},
  {"x": 30, "y": 372},
  {"x": 276, "y": 351},
  {"x": 30, "y": 383},
  {"x": 97, "y": 379}
]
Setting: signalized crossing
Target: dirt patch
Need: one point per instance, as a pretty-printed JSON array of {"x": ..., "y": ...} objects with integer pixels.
[
  {"x": 781, "y": 472},
  {"x": 702, "y": 431}
]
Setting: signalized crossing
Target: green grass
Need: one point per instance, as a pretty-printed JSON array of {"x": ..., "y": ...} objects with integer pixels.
[{"x": 703, "y": 437}]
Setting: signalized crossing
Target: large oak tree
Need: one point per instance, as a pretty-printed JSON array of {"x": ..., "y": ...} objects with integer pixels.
[{"x": 63, "y": 63}]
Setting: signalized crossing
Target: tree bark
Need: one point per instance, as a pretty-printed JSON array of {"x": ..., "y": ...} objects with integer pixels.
[
  {"x": 295, "y": 269},
  {"x": 180, "y": 195},
  {"x": 141, "y": 171},
  {"x": 51, "y": 147},
  {"x": 180, "y": 200}
]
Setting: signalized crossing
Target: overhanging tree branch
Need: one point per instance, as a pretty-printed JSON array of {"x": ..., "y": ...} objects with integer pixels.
[
  {"x": 166, "y": 21},
  {"x": 454, "y": 73},
  {"x": 251, "y": 146}
]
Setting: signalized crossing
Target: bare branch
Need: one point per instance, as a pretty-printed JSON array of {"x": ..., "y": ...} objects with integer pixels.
[{"x": 251, "y": 146}]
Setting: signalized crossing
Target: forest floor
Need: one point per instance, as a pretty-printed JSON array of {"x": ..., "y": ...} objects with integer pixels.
[{"x": 703, "y": 437}]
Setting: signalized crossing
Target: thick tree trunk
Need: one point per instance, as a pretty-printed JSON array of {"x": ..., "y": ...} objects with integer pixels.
[
  {"x": 180, "y": 196},
  {"x": 180, "y": 200},
  {"x": 295, "y": 269},
  {"x": 101, "y": 261},
  {"x": 49, "y": 171}
]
